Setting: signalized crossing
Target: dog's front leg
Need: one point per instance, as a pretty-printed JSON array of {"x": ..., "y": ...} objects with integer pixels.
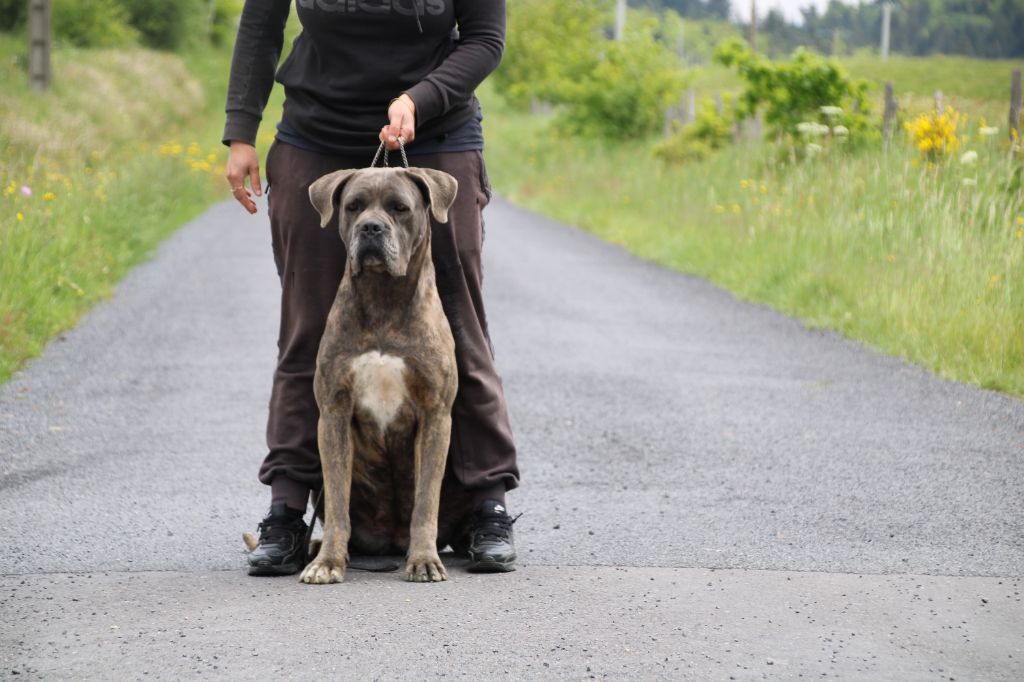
[
  {"x": 423, "y": 564},
  {"x": 334, "y": 433}
]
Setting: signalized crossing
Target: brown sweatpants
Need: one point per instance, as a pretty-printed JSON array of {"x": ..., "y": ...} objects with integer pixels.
[{"x": 311, "y": 262}]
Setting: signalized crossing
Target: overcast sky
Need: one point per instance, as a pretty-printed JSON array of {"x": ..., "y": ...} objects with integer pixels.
[{"x": 790, "y": 8}]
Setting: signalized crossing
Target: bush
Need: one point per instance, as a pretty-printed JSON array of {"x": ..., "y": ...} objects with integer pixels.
[
  {"x": 551, "y": 44},
  {"x": 97, "y": 23},
  {"x": 12, "y": 14},
  {"x": 167, "y": 25},
  {"x": 696, "y": 141},
  {"x": 626, "y": 93},
  {"x": 224, "y": 21},
  {"x": 807, "y": 91}
]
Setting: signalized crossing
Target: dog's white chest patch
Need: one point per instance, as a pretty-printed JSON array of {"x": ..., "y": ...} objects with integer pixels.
[{"x": 379, "y": 385}]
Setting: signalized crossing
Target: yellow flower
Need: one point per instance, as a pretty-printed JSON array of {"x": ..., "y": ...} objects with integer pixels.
[
  {"x": 744, "y": 184},
  {"x": 1020, "y": 234},
  {"x": 49, "y": 196},
  {"x": 735, "y": 208},
  {"x": 19, "y": 215},
  {"x": 891, "y": 258},
  {"x": 763, "y": 189},
  {"x": 194, "y": 149},
  {"x": 1020, "y": 220},
  {"x": 993, "y": 280},
  {"x": 719, "y": 208}
]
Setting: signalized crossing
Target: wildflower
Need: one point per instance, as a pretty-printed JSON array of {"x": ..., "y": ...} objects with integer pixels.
[
  {"x": 840, "y": 131},
  {"x": 744, "y": 184},
  {"x": 19, "y": 215},
  {"x": 10, "y": 189},
  {"x": 1020, "y": 220},
  {"x": 969, "y": 157},
  {"x": 993, "y": 280},
  {"x": 1020, "y": 234},
  {"x": 969, "y": 182},
  {"x": 26, "y": 190},
  {"x": 831, "y": 111},
  {"x": 988, "y": 131},
  {"x": 735, "y": 208},
  {"x": 194, "y": 149},
  {"x": 812, "y": 129},
  {"x": 813, "y": 149},
  {"x": 719, "y": 208},
  {"x": 49, "y": 196},
  {"x": 891, "y": 258}
]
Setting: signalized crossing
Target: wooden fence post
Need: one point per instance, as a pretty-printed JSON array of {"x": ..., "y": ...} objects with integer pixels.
[
  {"x": 889, "y": 117},
  {"x": 1015, "y": 107},
  {"x": 40, "y": 73}
]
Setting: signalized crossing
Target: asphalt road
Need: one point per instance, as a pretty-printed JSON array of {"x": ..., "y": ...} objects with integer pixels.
[{"x": 710, "y": 491}]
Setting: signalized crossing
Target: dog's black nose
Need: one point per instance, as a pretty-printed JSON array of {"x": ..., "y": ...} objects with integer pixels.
[{"x": 372, "y": 229}]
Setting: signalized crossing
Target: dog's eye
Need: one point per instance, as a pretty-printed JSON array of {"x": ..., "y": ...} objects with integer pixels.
[
  {"x": 353, "y": 206},
  {"x": 399, "y": 208}
]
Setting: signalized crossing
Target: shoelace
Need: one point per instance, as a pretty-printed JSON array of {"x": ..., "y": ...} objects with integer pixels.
[
  {"x": 495, "y": 526},
  {"x": 275, "y": 532}
]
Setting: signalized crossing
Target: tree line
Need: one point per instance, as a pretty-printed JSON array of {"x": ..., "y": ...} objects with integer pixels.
[{"x": 978, "y": 28}]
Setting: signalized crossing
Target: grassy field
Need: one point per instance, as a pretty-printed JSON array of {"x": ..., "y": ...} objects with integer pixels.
[
  {"x": 922, "y": 262},
  {"x": 93, "y": 176}
]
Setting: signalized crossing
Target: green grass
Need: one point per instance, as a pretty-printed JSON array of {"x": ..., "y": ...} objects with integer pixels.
[
  {"x": 889, "y": 251},
  {"x": 119, "y": 154}
]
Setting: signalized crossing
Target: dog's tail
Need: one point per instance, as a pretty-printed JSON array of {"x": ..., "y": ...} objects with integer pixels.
[{"x": 250, "y": 541}]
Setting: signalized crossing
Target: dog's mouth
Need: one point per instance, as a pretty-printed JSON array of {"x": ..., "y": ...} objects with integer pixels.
[{"x": 371, "y": 256}]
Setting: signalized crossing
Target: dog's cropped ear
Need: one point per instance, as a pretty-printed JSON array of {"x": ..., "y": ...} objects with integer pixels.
[
  {"x": 440, "y": 189},
  {"x": 324, "y": 193}
]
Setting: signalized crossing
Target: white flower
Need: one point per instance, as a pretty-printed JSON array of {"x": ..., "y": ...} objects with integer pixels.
[
  {"x": 841, "y": 131},
  {"x": 988, "y": 131},
  {"x": 969, "y": 157},
  {"x": 813, "y": 149},
  {"x": 969, "y": 182},
  {"x": 812, "y": 129},
  {"x": 832, "y": 111}
]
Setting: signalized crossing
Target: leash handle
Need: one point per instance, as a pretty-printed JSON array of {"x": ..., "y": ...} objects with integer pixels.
[{"x": 383, "y": 148}]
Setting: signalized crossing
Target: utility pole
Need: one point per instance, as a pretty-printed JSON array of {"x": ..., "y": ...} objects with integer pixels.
[
  {"x": 620, "y": 19},
  {"x": 886, "y": 21},
  {"x": 753, "y": 25},
  {"x": 40, "y": 74}
]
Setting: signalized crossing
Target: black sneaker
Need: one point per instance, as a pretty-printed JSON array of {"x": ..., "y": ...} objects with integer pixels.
[
  {"x": 491, "y": 546},
  {"x": 282, "y": 544}
]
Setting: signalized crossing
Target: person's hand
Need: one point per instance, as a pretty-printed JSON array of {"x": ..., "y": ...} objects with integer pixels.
[
  {"x": 402, "y": 114},
  {"x": 243, "y": 163}
]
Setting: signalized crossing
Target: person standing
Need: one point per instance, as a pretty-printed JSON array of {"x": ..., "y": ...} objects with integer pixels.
[{"x": 362, "y": 72}]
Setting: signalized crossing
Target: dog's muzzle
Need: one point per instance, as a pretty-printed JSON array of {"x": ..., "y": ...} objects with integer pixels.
[{"x": 373, "y": 246}]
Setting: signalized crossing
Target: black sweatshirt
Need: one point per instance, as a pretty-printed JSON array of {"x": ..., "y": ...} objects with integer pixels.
[{"x": 353, "y": 57}]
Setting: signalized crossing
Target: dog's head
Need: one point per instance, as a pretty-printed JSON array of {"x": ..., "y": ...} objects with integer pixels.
[{"x": 382, "y": 213}]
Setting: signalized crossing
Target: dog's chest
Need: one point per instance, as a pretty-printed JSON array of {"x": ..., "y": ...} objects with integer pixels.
[{"x": 379, "y": 386}]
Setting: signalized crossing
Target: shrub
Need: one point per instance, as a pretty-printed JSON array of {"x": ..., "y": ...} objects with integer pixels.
[
  {"x": 223, "y": 21},
  {"x": 626, "y": 93},
  {"x": 550, "y": 45},
  {"x": 709, "y": 131},
  {"x": 12, "y": 14},
  {"x": 809, "y": 89},
  {"x": 166, "y": 25},
  {"x": 934, "y": 134},
  {"x": 97, "y": 23}
]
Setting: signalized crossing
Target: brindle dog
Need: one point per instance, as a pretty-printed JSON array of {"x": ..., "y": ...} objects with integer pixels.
[{"x": 385, "y": 376}]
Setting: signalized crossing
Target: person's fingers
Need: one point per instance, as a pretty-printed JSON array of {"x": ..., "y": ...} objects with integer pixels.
[{"x": 254, "y": 179}]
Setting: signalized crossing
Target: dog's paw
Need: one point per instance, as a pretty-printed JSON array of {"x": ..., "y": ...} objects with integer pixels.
[
  {"x": 322, "y": 571},
  {"x": 251, "y": 543},
  {"x": 425, "y": 567}
]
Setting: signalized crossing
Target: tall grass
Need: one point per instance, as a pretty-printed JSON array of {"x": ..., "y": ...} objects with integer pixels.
[
  {"x": 93, "y": 175},
  {"x": 924, "y": 262}
]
